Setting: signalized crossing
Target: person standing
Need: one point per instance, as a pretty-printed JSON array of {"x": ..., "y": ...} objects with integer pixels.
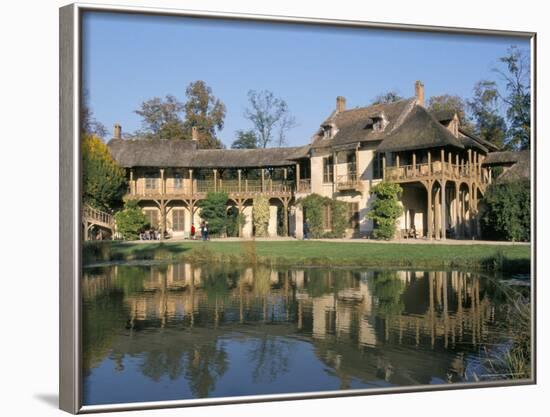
[
  {"x": 306, "y": 230},
  {"x": 193, "y": 231}
]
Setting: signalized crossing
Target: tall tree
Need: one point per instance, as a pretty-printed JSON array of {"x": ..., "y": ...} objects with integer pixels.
[
  {"x": 518, "y": 96},
  {"x": 206, "y": 112},
  {"x": 161, "y": 118},
  {"x": 270, "y": 117},
  {"x": 484, "y": 106},
  {"x": 88, "y": 123},
  {"x": 447, "y": 102},
  {"x": 390, "y": 96},
  {"x": 103, "y": 181},
  {"x": 246, "y": 139}
]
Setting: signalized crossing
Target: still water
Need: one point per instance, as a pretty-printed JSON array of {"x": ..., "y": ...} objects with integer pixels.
[{"x": 183, "y": 331}]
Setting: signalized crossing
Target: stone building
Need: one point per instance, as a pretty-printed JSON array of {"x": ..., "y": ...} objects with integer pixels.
[{"x": 443, "y": 170}]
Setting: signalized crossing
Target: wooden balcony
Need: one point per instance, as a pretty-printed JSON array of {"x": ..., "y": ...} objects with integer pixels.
[
  {"x": 347, "y": 182},
  {"x": 198, "y": 189},
  {"x": 437, "y": 170}
]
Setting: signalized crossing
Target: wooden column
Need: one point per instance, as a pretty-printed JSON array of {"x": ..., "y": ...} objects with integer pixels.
[
  {"x": 442, "y": 161},
  {"x": 443, "y": 211},
  {"x": 297, "y": 177},
  {"x": 215, "y": 179},
  {"x": 429, "y": 163},
  {"x": 191, "y": 181},
  {"x": 162, "y": 184},
  {"x": 414, "y": 163},
  {"x": 429, "y": 210},
  {"x": 469, "y": 163},
  {"x": 285, "y": 217},
  {"x": 457, "y": 205},
  {"x": 263, "y": 180},
  {"x": 384, "y": 166},
  {"x": 132, "y": 185},
  {"x": 285, "y": 175},
  {"x": 397, "y": 160},
  {"x": 437, "y": 214},
  {"x": 239, "y": 175}
]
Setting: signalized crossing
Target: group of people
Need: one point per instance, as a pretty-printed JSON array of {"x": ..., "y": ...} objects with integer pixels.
[
  {"x": 203, "y": 229},
  {"x": 150, "y": 234}
]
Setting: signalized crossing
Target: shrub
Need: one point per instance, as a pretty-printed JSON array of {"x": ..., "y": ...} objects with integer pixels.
[
  {"x": 131, "y": 221},
  {"x": 385, "y": 209},
  {"x": 260, "y": 212},
  {"x": 213, "y": 211},
  {"x": 314, "y": 206},
  {"x": 506, "y": 211},
  {"x": 103, "y": 181}
]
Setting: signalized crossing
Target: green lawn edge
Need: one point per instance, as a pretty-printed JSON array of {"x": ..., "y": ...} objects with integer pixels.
[{"x": 507, "y": 258}]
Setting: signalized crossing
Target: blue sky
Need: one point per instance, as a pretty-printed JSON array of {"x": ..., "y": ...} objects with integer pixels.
[{"x": 130, "y": 58}]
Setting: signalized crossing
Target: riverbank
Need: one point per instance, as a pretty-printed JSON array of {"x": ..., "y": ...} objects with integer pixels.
[{"x": 510, "y": 258}]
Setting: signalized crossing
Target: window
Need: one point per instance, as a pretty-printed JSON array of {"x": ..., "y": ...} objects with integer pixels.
[
  {"x": 151, "y": 181},
  {"x": 327, "y": 217},
  {"x": 377, "y": 166},
  {"x": 352, "y": 166},
  {"x": 152, "y": 218},
  {"x": 178, "y": 181},
  {"x": 178, "y": 219},
  {"x": 328, "y": 169},
  {"x": 353, "y": 215}
]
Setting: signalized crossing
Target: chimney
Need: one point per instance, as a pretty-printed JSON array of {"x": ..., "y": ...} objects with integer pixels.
[
  {"x": 117, "y": 131},
  {"x": 340, "y": 103},
  {"x": 419, "y": 93},
  {"x": 194, "y": 133}
]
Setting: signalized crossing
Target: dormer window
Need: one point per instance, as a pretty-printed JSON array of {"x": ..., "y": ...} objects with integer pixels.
[
  {"x": 377, "y": 122},
  {"x": 328, "y": 131}
]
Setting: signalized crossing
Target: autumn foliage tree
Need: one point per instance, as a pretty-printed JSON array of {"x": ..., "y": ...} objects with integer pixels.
[{"x": 103, "y": 181}]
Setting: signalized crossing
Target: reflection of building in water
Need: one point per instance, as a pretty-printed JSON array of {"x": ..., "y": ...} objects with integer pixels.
[
  {"x": 366, "y": 307},
  {"x": 359, "y": 323}
]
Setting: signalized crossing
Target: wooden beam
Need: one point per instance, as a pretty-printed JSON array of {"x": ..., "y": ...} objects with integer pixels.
[
  {"x": 429, "y": 210},
  {"x": 429, "y": 163},
  {"x": 239, "y": 175},
  {"x": 384, "y": 166},
  {"x": 215, "y": 179}
]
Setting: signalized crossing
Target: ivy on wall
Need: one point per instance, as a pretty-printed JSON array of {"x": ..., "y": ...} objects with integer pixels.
[
  {"x": 316, "y": 207},
  {"x": 260, "y": 212}
]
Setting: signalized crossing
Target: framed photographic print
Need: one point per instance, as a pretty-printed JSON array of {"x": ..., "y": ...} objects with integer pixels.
[{"x": 259, "y": 208}]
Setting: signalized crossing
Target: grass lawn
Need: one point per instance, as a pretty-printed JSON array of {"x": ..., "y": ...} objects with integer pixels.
[{"x": 488, "y": 257}]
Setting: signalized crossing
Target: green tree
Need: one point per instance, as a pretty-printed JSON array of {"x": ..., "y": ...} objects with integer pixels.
[
  {"x": 213, "y": 211},
  {"x": 206, "y": 112},
  {"x": 246, "y": 139},
  {"x": 489, "y": 124},
  {"x": 387, "y": 97},
  {"x": 518, "y": 97},
  {"x": 270, "y": 118},
  {"x": 385, "y": 209},
  {"x": 388, "y": 290},
  {"x": 447, "y": 102},
  {"x": 506, "y": 211},
  {"x": 161, "y": 118},
  {"x": 103, "y": 181},
  {"x": 260, "y": 212},
  {"x": 131, "y": 221}
]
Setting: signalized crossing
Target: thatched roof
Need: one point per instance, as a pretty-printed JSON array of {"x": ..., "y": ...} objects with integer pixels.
[
  {"x": 184, "y": 153},
  {"x": 506, "y": 158},
  {"x": 419, "y": 130},
  {"x": 485, "y": 143},
  {"x": 353, "y": 125},
  {"x": 521, "y": 170}
]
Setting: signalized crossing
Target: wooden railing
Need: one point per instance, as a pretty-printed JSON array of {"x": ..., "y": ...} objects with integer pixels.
[
  {"x": 92, "y": 215},
  {"x": 304, "y": 186},
  {"x": 346, "y": 182},
  {"x": 230, "y": 186},
  {"x": 448, "y": 170}
]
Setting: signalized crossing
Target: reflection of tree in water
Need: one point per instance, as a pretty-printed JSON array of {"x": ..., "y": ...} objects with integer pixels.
[
  {"x": 204, "y": 365},
  {"x": 387, "y": 288},
  {"x": 270, "y": 357}
]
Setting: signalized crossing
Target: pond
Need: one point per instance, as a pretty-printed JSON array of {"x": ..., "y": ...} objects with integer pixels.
[{"x": 157, "y": 332}]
